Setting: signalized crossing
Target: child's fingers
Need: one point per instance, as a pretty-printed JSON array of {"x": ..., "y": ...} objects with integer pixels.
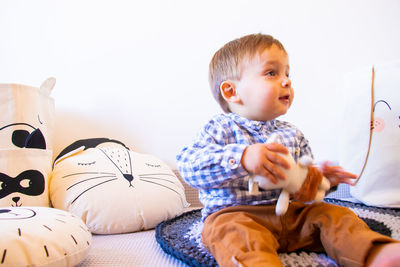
[
  {"x": 275, "y": 158},
  {"x": 336, "y": 174},
  {"x": 349, "y": 182},
  {"x": 337, "y": 171},
  {"x": 343, "y": 180},
  {"x": 273, "y": 172},
  {"x": 346, "y": 175},
  {"x": 278, "y": 148},
  {"x": 258, "y": 159},
  {"x": 335, "y": 181},
  {"x": 340, "y": 174}
]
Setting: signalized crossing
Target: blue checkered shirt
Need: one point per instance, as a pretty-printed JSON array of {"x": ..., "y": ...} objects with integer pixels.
[{"x": 212, "y": 163}]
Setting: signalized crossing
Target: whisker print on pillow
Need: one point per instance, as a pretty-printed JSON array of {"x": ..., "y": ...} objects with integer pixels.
[
  {"x": 122, "y": 161},
  {"x": 143, "y": 178},
  {"x": 108, "y": 175},
  {"x": 79, "y": 173}
]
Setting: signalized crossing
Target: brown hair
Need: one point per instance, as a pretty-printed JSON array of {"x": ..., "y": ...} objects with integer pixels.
[{"x": 226, "y": 63}]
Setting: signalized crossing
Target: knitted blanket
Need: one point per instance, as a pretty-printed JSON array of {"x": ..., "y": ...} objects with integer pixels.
[{"x": 180, "y": 237}]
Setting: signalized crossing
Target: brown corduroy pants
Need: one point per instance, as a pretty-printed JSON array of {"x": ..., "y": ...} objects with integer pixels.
[{"x": 252, "y": 236}]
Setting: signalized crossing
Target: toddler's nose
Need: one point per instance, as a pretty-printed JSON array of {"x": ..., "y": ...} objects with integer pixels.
[{"x": 286, "y": 82}]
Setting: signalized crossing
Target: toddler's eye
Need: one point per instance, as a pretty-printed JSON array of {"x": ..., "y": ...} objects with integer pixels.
[{"x": 270, "y": 73}]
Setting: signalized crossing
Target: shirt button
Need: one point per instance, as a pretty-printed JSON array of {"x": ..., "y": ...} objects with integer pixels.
[
  {"x": 297, "y": 152},
  {"x": 232, "y": 161}
]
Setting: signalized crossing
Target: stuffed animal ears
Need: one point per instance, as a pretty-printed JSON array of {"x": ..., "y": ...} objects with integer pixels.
[{"x": 48, "y": 85}]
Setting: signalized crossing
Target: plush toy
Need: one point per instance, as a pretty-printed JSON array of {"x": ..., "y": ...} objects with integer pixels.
[{"x": 304, "y": 182}]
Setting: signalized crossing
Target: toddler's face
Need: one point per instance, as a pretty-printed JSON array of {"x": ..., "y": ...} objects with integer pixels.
[{"x": 265, "y": 89}]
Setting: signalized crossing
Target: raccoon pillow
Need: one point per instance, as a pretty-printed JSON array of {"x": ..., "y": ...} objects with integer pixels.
[{"x": 113, "y": 189}]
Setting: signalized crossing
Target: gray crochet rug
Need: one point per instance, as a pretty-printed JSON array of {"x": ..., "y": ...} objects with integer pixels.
[{"x": 180, "y": 237}]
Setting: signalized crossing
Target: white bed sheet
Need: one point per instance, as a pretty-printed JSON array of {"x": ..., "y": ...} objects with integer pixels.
[
  {"x": 135, "y": 249},
  {"x": 132, "y": 249}
]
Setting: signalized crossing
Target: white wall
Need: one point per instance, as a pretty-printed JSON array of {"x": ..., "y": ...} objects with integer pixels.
[{"x": 137, "y": 70}]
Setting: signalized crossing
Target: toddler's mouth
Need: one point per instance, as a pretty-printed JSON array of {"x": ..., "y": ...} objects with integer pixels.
[{"x": 285, "y": 97}]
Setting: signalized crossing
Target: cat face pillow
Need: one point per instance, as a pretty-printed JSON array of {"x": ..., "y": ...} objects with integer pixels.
[{"x": 113, "y": 189}]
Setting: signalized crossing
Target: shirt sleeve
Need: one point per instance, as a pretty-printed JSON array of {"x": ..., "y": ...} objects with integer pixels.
[
  {"x": 305, "y": 148},
  {"x": 212, "y": 159}
]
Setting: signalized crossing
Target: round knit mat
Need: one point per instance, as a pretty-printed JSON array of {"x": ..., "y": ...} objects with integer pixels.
[{"x": 180, "y": 237}]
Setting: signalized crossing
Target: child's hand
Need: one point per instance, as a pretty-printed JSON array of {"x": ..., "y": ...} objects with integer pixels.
[
  {"x": 336, "y": 174},
  {"x": 263, "y": 159}
]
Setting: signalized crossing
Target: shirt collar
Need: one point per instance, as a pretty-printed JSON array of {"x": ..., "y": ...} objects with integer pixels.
[{"x": 269, "y": 125}]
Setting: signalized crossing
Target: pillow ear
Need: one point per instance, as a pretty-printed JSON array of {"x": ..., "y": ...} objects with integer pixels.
[
  {"x": 68, "y": 154},
  {"x": 48, "y": 85}
]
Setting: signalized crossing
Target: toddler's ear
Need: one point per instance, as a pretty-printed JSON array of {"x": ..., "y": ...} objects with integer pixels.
[{"x": 228, "y": 91}]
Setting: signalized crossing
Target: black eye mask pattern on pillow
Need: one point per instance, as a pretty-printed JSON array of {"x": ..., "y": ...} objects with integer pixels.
[
  {"x": 30, "y": 182},
  {"x": 24, "y": 175}
]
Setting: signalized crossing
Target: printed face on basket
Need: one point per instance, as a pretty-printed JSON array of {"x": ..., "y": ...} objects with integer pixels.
[{"x": 385, "y": 116}]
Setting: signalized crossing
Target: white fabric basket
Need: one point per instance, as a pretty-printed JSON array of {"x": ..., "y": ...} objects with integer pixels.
[
  {"x": 27, "y": 117},
  {"x": 371, "y": 143}
]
